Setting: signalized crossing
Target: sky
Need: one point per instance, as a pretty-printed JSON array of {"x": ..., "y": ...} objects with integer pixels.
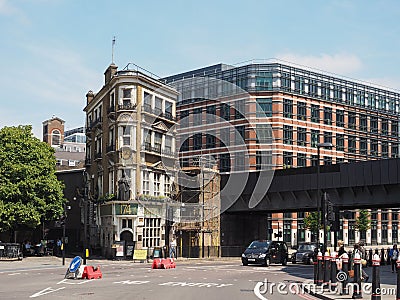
[{"x": 54, "y": 51}]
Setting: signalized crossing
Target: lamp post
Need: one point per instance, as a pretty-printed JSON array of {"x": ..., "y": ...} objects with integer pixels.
[
  {"x": 64, "y": 221},
  {"x": 321, "y": 200}
]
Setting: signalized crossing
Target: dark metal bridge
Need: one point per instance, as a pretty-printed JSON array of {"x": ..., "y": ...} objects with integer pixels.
[{"x": 368, "y": 184}]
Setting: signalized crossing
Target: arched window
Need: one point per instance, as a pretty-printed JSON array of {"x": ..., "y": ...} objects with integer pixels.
[{"x": 56, "y": 138}]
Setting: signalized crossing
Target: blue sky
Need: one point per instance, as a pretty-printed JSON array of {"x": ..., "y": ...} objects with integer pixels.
[{"x": 54, "y": 51}]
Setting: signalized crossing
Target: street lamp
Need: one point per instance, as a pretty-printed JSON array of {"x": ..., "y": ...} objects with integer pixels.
[
  {"x": 64, "y": 221},
  {"x": 321, "y": 200}
]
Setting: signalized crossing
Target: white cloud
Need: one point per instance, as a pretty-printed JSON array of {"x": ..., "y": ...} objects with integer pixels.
[
  {"x": 341, "y": 63},
  {"x": 7, "y": 9}
]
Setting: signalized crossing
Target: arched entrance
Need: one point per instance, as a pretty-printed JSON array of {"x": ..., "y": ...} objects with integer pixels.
[{"x": 129, "y": 245}]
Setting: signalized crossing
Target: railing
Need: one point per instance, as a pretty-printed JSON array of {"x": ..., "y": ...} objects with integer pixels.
[
  {"x": 10, "y": 251},
  {"x": 127, "y": 106},
  {"x": 110, "y": 148},
  {"x": 158, "y": 112},
  {"x": 156, "y": 148}
]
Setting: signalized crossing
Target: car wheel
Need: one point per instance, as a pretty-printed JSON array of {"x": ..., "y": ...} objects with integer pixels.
[
  {"x": 267, "y": 262},
  {"x": 244, "y": 263},
  {"x": 284, "y": 262}
]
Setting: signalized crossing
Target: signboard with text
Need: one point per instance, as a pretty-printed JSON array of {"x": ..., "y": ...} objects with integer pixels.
[{"x": 126, "y": 209}]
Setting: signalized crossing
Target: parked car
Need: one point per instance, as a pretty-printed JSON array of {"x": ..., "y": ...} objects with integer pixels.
[
  {"x": 264, "y": 253},
  {"x": 305, "y": 253}
]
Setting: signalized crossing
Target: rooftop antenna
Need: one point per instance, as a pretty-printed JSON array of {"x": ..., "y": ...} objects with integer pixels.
[{"x": 112, "y": 52}]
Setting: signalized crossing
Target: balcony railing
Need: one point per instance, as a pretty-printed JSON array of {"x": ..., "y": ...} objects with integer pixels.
[
  {"x": 158, "y": 112},
  {"x": 96, "y": 122},
  {"x": 98, "y": 155},
  {"x": 127, "y": 106},
  {"x": 155, "y": 149}
]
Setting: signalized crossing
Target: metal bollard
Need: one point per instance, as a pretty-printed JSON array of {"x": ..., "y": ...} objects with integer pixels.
[
  {"x": 350, "y": 260},
  {"x": 345, "y": 269},
  {"x": 320, "y": 273},
  {"x": 327, "y": 269},
  {"x": 383, "y": 257},
  {"x": 388, "y": 259},
  {"x": 370, "y": 257},
  {"x": 333, "y": 271},
  {"x": 357, "y": 277},
  {"x": 315, "y": 262},
  {"x": 376, "y": 278},
  {"x": 398, "y": 279}
]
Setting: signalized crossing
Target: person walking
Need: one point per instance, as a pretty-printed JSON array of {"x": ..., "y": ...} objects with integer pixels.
[
  {"x": 394, "y": 254},
  {"x": 339, "y": 263},
  {"x": 172, "y": 248},
  {"x": 362, "y": 272}
]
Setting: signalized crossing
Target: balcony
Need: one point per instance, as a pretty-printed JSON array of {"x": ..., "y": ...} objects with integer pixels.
[
  {"x": 110, "y": 148},
  {"x": 127, "y": 106},
  {"x": 168, "y": 152},
  {"x": 97, "y": 122},
  {"x": 98, "y": 155},
  {"x": 88, "y": 161},
  {"x": 154, "y": 149}
]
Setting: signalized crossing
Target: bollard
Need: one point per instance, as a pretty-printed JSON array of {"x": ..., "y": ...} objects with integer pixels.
[
  {"x": 383, "y": 257},
  {"x": 327, "y": 269},
  {"x": 350, "y": 260},
  {"x": 320, "y": 270},
  {"x": 370, "y": 257},
  {"x": 376, "y": 278},
  {"x": 357, "y": 277},
  {"x": 315, "y": 262},
  {"x": 333, "y": 271},
  {"x": 345, "y": 269},
  {"x": 398, "y": 279},
  {"x": 388, "y": 258}
]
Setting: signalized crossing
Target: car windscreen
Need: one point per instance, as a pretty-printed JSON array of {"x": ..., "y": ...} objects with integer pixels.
[
  {"x": 306, "y": 247},
  {"x": 258, "y": 245}
]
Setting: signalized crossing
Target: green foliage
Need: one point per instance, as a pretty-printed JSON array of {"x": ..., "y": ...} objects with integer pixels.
[
  {"x": 29, "y": 189},
  {"x": 311, "y": 222},
  {"x": 363, "y": 222}
]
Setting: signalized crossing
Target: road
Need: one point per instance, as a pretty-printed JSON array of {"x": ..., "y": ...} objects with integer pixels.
[{"x": 127, "y": 280}]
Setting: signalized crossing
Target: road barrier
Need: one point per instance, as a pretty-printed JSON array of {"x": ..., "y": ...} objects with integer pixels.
[
  {"x": 376, "y": 280},
  {"x": 357, "y": 294},
  {"x": 10, "y": 251}
]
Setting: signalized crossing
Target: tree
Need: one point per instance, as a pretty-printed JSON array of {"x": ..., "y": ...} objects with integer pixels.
[
  {"x": 29, "y": 190},
  {"x": 363, "y": 222},
  {"x": 311, "y": 222}
]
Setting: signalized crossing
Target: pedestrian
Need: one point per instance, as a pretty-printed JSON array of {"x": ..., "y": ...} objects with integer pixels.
[
  {"x": 339, "y": 263},
  {"x": 364, "y": 275},
  {"x": 394, "y": 254},
  {"x": 59, "y": 244},
  {"x": 172, "y": 248}
]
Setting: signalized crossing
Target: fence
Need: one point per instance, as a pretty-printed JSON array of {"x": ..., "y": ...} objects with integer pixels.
[{"x": 10, "y": 251}]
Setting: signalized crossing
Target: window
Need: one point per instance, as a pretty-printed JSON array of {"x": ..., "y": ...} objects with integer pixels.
[
  {"x": 337, "y": 93},
  {"x": 363, "y": 146},
  {"x": 126, "y": 135},
  {"x": 327, "y": 137},
  {"x": 197, "y": 141},
  {"x": 301, "y": 136},
  {"x": 327, "y": 115},
  {"x": 313, "y": 88},
  {"x": 167, "y": 186},
  {"x": 395, "y": 128},
  {"x": 264, "y": 107},
  {"x": 147, "y": 101},
  {"x": 239, "y": 161},
  {"x": 327, "y": 160},
  {"x": 395, "y": 150},
  {"x": 210, "y": 140},
  {"x": 263, "y": 160},
  {"x": 168, "y": 144},
  {"x": 240, "y": 135},
  {"x": 339, "y": 142},
  {"x": 351, "y": 143},
  {"x": 350, "y": 96},
  {"x": 301, "y": 160},
  {"x": 325, "y": 90},
  {"x": 315, "y": 113},
  {"x": 157, "y": 183},
  {"x": 352, "y": 120},
  {"x": 374, "y": 147},
  {"x": 197, "y": 116},
  {"x": 224, "y": 162},
  {"x": 385, "y": 149},
  {"x": 314, "y": 160},
  {"x": 314, "y": 138},
  {"x": 374, "y": 124},
  {"x": 287, "y": 134},
  {"x": 225, "y": 137},
  {"x": 211, "y": 112},
  {"x": 339, "y": 160},
  {"x": 55, "y": 138},
  {"x": 157, "y": 141},
  {"x": 301, "y": 111},
  {"x": 146, "y": 183},
  {"x": 264, "y": 134},
  {"x": 152, "y": 232},
  {"x": 225, "y": 112},
  {"x": 184, "y": 143},
  {"x": 168, "y": 110},
  {"x": 340, "y": 118},
  {"x": 184, "y": 118},
  {"x": 158, "y": 106},
  {"x": 287, "y": 108},
  {"x": 287, "y": 159},
  {"x": 363, "y": 123},
  {"x": 385, "y": 126},
  {"x": 240, "y": 109}
]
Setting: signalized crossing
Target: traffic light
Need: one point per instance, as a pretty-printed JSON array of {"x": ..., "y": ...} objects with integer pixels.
[
  {"x": 330, "y": 213},
  {"x": 62, "y": 220}
]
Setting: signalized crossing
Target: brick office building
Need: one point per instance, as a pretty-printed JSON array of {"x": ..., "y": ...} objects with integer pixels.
[{"x": 280, "y": 113}]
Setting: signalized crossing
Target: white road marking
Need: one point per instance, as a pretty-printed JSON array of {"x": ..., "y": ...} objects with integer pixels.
[
  {"x": 45, "y": 292},
  {"x": 14, "y": 274},
  {"x": 195, "y": 284},
  {"x": 71, "y": 281},
  {"x": 132, "y": 282}
]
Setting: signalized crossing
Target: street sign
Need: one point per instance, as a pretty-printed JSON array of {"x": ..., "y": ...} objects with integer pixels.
[{"x": 75, "y": 264}]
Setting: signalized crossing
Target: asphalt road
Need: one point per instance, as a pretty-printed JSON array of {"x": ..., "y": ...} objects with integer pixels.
[{"x": 193, "y": 279}]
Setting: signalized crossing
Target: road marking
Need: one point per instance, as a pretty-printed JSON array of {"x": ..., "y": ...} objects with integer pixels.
[
  {"x": 132, "y": 282},
  {"x": 46, "y": 291},
  {"x": 14, "y": 274},
  {"x": 69, "y": 281},
  {"x": 195, "y": 284}
]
